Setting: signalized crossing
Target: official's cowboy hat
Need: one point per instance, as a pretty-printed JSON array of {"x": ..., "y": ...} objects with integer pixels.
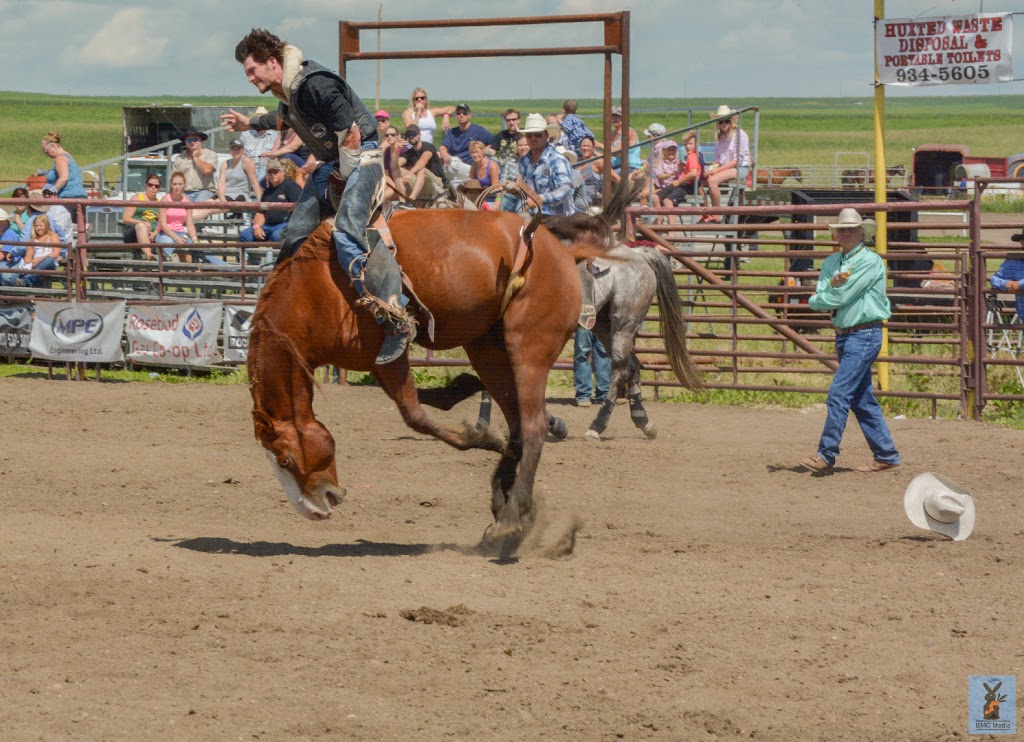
[
  {"x": 934, "y": 503},
  {"x": 655, "y": 130},
  {"x": 194, "y": 132},
  {"x": 851, "y": 219},
  {"x": 534, "y": 123}
]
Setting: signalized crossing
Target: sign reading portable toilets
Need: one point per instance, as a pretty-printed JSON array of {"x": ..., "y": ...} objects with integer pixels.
[
  {"x": 174, "y": 334},
  {"x": 78, "y": 332}
]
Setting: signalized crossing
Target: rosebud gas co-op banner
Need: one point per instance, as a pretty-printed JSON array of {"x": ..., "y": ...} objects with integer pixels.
[
  {"x": 174, "y": 334},
  {"x": 88, "y": 332},
  {"x": 945, "y": 50}
]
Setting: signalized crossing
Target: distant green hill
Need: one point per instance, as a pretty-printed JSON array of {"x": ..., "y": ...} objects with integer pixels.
[{"x": 792, "y": 130}]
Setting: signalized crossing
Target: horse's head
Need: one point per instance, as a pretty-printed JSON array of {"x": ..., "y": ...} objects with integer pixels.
[
  {"x": 798, "y": 175},
  {"x": 302, "y": 457}
]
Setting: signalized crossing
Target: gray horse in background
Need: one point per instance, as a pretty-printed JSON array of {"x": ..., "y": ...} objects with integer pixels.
[{"x": 626, "y": 283}]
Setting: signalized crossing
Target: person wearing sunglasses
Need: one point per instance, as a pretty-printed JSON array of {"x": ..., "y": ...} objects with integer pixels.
[
  {"x": 423, "y": 115},
  {"x": 421, "y": 167},
  {"x": 454, "y": 149},
  {"x": 142, "y": 222},
  {"x": 199, "y": 166},
  {"x": 394, "y": 187},
  {"x": 505, "y": 140},
  {"x": 341, "y": 133}
]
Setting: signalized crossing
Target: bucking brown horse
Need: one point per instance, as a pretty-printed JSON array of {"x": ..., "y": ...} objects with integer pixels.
[{"x": 460, "y": 263}]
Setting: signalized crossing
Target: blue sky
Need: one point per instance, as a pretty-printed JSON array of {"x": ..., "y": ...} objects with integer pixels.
[{"x": 681, "y": 48}]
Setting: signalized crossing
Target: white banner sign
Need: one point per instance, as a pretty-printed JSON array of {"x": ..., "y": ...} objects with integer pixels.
[
  {"x": 236, "y": 333},
  {"x": 174, "y": 335},
  {"x": 87, "y": 332},
  {"x": 15, "y": 329},
  {"x": 945, "y": 50}
]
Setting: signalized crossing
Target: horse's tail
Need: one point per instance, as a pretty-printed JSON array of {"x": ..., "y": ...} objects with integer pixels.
[{"x": 673, "y": 326}]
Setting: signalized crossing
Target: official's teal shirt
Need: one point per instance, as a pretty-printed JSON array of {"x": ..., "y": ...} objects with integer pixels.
[{"x": 862, "y": 298}]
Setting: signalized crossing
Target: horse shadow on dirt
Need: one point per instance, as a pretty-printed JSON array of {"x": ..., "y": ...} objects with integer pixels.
[{"x": 360, "y": 548}]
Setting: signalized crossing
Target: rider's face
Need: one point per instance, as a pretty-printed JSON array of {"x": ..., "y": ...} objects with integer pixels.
[{"x": 263, "y": 75}]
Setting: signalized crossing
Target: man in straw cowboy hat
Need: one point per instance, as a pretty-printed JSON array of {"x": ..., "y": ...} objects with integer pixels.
[
  {"x": 852, "y": 287},
  {"x": 341, "y": 134}
]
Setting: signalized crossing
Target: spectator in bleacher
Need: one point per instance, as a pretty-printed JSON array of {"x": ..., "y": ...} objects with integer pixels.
[
  {"x": 504, "y": 144},
  {"x": 64, "y": 175},
  {"x": 176, "y": 224},
  {"x": 556, "y": 136},
  {"x": 383, "y": 122},
  {"x": 198, "y": 165},
  {"x": 268, "y": 226},
  {"x": 142, "y": 222},
  {"x": 545, "y": 175},
  {"x": 454, "y": 149},
  {"x": 10, "y": 255},
  {"x": 510, "y": 174},
  {"x": 421, "y": 167},
  {"x": 257, "y": 144},
  {"x": 666, "y": 172},
  {"x": 732, "y": 158},
  {"x": 1009, "y": 276},
  {"x": 633, "y": 149},
  {"x": 573, "y": 127},
  {"x": 483, "y": 169},
  {"x": 687, "y": 181},
  {"x": 593, "y": 183},
  {"x": 59, "y": 216},
  {"x": 19, "y": 213},
  {"x": 291, "y": 148},
  {"x": 43, "y": 256},
  {"x": 237, "y": 181},
  {"x": 424, "y": 116},
  {"x": 394, "y": 186},
  {"x": 298, "y": 175}
]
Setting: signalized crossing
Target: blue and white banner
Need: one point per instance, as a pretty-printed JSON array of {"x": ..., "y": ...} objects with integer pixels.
[
  {"x": 78, "y": 332},
  {"x": 236, "y": 333},
  {"x": 944, "y": 50},
  {"x": 174, "y": 334}
]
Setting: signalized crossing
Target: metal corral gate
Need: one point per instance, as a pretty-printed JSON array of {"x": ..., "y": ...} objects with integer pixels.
[{"x": 953, "y": 341}]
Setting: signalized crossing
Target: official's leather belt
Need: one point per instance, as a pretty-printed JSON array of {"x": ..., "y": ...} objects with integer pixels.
[{"x": 864, "y": 326}]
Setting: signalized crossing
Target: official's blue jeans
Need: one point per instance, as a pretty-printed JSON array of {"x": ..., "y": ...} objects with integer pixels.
[
  {"x": 584, "y": 344},
  {"x": 851, "y": 390}
]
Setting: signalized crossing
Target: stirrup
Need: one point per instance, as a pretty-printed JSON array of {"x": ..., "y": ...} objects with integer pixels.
[
  {"x": 393, "y": 348},
  {"x": 588, "y": 317}
]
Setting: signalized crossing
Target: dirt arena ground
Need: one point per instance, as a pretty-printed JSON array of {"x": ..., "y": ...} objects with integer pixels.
[{"x": 155, "y": 584}]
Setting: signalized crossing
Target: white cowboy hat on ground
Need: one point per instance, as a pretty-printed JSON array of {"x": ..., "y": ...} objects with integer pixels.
[
  {"x": 934, "y": 503},
  {"x": 850, "y": 219},
  {"x": 534, "y": 123}
]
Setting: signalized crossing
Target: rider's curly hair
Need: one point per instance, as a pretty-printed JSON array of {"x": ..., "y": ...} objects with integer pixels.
[{"x": 261, "y": 45}]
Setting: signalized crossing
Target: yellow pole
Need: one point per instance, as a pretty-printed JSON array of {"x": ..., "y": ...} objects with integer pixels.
[{"x": 881, "y": 239}]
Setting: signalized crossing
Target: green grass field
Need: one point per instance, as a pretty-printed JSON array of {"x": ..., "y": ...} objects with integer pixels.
[{"x": 799, "y": 131}]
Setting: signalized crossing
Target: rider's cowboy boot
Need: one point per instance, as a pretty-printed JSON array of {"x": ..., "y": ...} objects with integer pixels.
[
  {"x": 382, "y": 292},
  {"x": 588, "y": 314}
]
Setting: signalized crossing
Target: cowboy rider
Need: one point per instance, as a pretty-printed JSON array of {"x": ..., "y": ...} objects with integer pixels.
[{"x": 333, "y": 122}]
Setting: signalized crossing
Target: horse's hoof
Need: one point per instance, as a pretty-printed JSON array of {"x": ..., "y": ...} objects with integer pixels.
[
  {"x": 592, "y": 435},
  {"x": 651, "y": 431},
  {"x": 558, "y": 428}
]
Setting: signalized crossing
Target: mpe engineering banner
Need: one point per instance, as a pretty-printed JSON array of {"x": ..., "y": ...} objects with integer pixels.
[
  {"x": 82, "y": 332},
  {"x": 945, "y": 50},
  {"x": 174, "y": 335}
]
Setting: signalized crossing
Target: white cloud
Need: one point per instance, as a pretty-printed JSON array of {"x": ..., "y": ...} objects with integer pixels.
[{"x": 127, "y": 40}]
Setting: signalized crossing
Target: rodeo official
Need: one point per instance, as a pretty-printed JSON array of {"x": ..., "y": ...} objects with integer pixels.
[{"x": 341, "y": 133}]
